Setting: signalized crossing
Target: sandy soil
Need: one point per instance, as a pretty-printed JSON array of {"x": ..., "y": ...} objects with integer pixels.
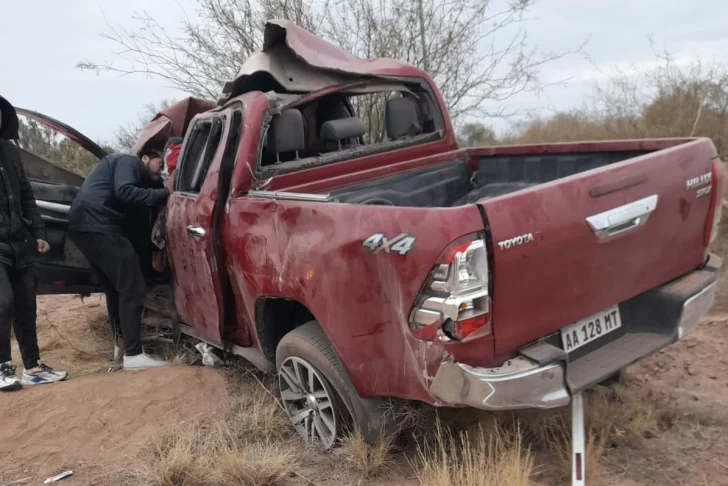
[
  {"x": 97, "y": 421},
  {"x": 691, "y": 377}
]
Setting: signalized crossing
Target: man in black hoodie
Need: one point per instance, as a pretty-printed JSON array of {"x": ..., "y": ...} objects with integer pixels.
[
  {"x": 22, "y": 237},
  {"x": 116, "y": 191}
]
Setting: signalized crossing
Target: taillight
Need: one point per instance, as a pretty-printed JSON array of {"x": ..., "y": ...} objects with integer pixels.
[
  {"x": 716, "y": 208},
  {"x": 454, "y": 303}
]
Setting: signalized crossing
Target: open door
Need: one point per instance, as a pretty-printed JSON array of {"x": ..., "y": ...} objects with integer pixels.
[
  {"x": 64, "y": 269},
  {"x": 193, "y": 223}
]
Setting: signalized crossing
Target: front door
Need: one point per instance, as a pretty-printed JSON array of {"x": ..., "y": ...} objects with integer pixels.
[
  {"x": 191, "y": 229},
  {"x": 43, "y": 142}
]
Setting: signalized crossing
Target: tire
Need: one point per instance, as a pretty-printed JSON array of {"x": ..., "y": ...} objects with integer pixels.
[{"x": 308, "y": 347}]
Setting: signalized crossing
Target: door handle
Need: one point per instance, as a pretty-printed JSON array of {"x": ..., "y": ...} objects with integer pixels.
[
  {"x": 622, "y": 218},
  {"x": 196, "y": 231}
]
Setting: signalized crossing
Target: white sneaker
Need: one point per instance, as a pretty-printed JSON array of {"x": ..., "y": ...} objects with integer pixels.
[
  {"x": 42, "y": 375},
  {"x": 142, "y": 361},
  {"x": 8, "y": 379}
]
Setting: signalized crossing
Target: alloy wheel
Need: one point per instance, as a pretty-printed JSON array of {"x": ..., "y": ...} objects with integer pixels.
[{"x": 309, "y": 402}]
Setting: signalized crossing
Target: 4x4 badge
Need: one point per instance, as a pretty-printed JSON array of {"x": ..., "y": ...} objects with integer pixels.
[{"x": 377, "y": 243}]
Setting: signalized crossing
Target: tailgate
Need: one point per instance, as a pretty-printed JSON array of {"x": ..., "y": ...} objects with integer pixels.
[{"x": 569, "y": 248}]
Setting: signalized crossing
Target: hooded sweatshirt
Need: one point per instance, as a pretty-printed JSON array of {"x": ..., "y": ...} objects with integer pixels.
[{"x": 20, "y": 220}]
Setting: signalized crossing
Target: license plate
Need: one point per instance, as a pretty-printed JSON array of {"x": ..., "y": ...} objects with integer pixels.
[{"x": 587, "y": 330}]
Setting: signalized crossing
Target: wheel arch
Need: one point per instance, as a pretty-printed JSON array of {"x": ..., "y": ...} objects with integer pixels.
[{"x": 275, "y": 317}]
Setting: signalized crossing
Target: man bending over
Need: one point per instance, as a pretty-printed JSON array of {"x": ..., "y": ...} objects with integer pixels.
[{"x": 118, "y": 187}]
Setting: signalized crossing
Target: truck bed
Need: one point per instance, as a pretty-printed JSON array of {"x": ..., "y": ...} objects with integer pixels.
[
  {"x": 476, "y": 176},
  {"x": 574, "y": 229}
]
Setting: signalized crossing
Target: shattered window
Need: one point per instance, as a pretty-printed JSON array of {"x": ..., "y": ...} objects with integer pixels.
[
  {"x": 370, "y": 108},
  {"x": 205, "y": 161},
  {"x": 197, "y": 158}
]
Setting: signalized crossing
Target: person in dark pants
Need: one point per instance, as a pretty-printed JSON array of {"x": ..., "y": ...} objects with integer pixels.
[
  {"x": 22, "y": 237},
  {"x": 116, "y": 191}
]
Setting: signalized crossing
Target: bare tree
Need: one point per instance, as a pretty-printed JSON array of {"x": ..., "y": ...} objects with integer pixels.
[
  {"x": 476, "y": 135},
  {"x": 478, "y": 54},
  {"x": 671, "y": 99},
  {"x": 208, "y": 51}
]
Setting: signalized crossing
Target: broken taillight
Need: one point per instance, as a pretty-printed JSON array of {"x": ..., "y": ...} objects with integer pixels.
[{"x": 455, "y": 303}]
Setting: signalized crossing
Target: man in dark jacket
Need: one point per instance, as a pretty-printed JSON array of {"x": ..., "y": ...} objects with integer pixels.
[
  {"x": 22, "y": 237},
  {"x": 117, "y": 191}
]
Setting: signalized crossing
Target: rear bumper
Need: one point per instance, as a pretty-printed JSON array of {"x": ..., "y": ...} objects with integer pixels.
[{"x": 544, "y": 376}]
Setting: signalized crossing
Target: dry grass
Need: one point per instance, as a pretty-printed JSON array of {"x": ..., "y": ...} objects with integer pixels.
[
  {"x": 483, "y": 456},
  {"x": 367, "y": 461},
  {"x": 203, "y": 455},
  {"x": 599, "y": 427},
  {"x": 507, "y": 443},
  {"x": 626, "y": 414},
  {"x": 259, "y": 464},
  {"x": 250, "y": 442},
  {"x": 247, "y": 442},
  {"x": 256, "y": 415},
  {"x": 172, "y": 460}
]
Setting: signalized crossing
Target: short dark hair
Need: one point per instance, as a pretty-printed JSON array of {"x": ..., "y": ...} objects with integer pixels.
[{"x": 151, "y": 153}]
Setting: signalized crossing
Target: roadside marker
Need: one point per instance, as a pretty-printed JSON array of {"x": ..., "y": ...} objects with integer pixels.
[{"x": 578, "y": 458}]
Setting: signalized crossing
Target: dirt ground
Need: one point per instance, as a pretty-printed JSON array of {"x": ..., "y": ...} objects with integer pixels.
[
  {"x": 97, "y": 422},
  {"x": 691, "y": 447}
]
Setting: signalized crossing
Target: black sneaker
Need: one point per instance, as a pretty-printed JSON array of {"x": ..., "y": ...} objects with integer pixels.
[{"x": 8, "y": 379}]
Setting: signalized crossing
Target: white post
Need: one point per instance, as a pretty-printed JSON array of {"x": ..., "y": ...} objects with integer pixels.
[{"x": 578, "y": 451}]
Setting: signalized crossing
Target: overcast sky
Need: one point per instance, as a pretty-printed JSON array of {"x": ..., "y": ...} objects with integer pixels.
[{"x": 42, "y": 40}]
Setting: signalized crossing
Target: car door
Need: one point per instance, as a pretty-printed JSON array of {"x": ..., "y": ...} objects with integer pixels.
[
  {"x": 64, "y": 269},
  {"x": 191, "y": 227}
]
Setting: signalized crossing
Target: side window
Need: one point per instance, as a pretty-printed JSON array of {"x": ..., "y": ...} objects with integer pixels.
[
  {"x": 228, "y": 158},
  {"x": 203, "y": 144},
  {"x": 192, "y": 154}
]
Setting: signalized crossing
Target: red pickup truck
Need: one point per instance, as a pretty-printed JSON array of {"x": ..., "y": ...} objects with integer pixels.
[{"x": 369, "y": 260}]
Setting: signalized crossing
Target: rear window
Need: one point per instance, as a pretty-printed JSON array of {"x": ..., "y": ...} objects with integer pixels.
[{"x": 342, "y": 126}]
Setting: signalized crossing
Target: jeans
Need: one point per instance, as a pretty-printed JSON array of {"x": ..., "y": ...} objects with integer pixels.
[
  {"x": 18, "y": 287},
  {"x": 117, "y": 264}
]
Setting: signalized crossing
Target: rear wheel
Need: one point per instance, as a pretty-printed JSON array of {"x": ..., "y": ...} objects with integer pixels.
[
  {"x": 318, "y": 394},
  {"x": 309, "y": 402}
]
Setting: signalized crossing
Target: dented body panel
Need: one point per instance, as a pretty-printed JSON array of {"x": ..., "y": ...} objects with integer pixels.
[
  {"x": 301, "y": 62},
  {"x": 312, "y": 253}
]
